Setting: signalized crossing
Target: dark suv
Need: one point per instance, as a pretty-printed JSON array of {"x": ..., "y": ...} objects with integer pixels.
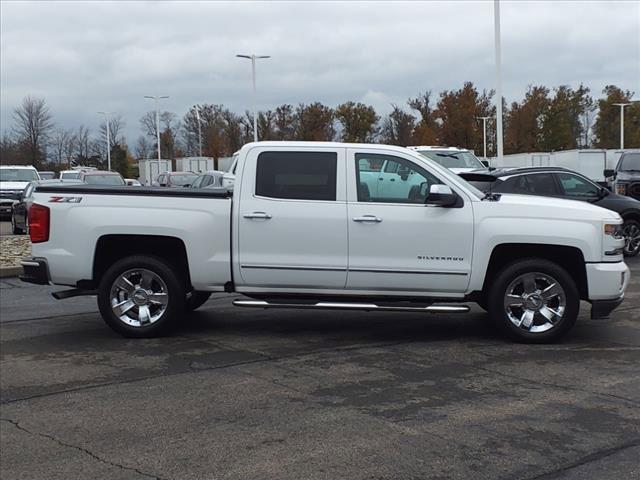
[
  {"x": 562, "y": 183},
  {"x": 626, "y": 176}
]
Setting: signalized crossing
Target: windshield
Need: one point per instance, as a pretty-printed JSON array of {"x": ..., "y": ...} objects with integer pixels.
[
  {"x": 17, "y": 175},
  {"x": 180, "y": 180},
  {"x": 630, "y": 161},
  {"x": 450, "y": 159},
  {"x": 47, "y": 175},
  {"x": 104, "y": 180}
]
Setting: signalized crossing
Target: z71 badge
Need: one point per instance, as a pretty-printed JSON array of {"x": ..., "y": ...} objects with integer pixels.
[{"x": 65, "y": 199}]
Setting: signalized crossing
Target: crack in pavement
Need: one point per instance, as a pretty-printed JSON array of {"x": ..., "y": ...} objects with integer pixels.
[
  {"x": 81, "y": 449},
  {"x": 590, "y": 458}
]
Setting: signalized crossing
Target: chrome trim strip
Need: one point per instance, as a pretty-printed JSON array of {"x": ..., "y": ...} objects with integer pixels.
[
  {"x": 294, "y": 267},
  {"x": 418, "y": 272},
  {"x": 352, "y": 306},
  {"x": 26, "y": 263}
]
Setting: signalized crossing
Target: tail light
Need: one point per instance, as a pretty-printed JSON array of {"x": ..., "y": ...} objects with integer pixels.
[{"x": 39, "y": 223}]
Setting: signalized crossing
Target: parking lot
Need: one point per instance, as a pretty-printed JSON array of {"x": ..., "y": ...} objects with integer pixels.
[{"x": 303, "y": 394}]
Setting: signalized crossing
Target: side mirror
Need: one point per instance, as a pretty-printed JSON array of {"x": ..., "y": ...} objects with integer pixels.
[
  {"x": 485, "y": 162},
  {"x": 609, "y": 173},
  {"x": 441, "y": 196}
]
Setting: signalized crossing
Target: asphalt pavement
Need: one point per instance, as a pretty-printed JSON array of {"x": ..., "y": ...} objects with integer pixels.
[{"x": 267, "y": 394}]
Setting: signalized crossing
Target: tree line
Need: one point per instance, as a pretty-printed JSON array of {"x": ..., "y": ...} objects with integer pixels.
[{"x": 544, "y": 120}]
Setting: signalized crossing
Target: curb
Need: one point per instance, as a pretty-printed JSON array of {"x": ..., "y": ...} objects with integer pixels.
[{"x": 7, "y": 272}]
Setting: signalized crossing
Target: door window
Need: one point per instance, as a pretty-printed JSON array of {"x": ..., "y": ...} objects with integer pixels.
[
  {"x": 197, "y": 182},
  {"x": 575, "y": 186},
  {"x": 389, "y": 179},
  {"x": 541, "y": 184},
  {"x": 297, "y": 175}
]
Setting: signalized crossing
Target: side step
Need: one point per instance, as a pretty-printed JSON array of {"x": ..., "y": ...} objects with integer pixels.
[{"x": 352, "y": 306}]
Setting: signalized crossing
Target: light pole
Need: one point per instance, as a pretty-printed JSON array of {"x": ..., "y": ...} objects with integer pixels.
[
  {"x": 496, "y": 25},
  {"x": 253, "y": 59},
  {"x": 107, "y": 120},
  {"x": 199, "y": 129},
  {"x": 484, "y": 134},
  {"x": 622, "y": 105},
  {"x": 157, "y": 98}
]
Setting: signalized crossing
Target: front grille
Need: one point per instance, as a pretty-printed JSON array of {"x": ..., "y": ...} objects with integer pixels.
[{"x": 634, "y": 190}]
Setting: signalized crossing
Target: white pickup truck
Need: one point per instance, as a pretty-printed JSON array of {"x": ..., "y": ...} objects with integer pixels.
[{"x": 303, "y": 229}]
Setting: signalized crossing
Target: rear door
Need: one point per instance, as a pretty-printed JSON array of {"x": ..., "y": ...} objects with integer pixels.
[{"x": 292, "y": 228}]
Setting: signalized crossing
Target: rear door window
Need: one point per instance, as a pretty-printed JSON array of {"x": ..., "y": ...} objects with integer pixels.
[{"x": 297, "y": 175}]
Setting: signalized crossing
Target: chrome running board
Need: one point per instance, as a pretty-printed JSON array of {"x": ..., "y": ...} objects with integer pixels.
[{"x": 352, "y": 306}]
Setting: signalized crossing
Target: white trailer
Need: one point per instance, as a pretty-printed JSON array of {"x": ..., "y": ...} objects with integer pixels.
[
  {"x": 194, "y": 164},
  {"x": 150, "y": 169}
]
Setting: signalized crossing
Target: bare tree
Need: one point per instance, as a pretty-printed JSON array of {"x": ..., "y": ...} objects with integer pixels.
[
  {"x": 33, "y": 125},
  {"x": 116, "y": 125},
  {"x": 60, "y": 142},
  {"x": 144, "y": 148},
  {"x": 82, "y": 144}
]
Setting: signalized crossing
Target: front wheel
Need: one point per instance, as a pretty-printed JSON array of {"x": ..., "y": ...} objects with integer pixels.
[
  {"x": 534, "y": 301},
  {"x": 631, "y": 232},
  {"x": 140, "y": 296}
]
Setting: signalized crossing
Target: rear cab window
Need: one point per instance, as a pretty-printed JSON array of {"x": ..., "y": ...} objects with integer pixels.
[{"x": 297, "y": 175}]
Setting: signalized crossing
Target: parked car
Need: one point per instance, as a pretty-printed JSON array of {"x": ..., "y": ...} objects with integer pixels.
[
  {"x": 229, "y": 177},
  {"x": 132, "y": 182},
  {"x": 562, "y": 183},
  {"x": 211, "y": 179},
  {"x": 175, "y": 179},
  {"x": 455, "y": 159},
  {"x": 20, "y": 209},
  {"x": 626, "y": 175},
  {"x": 46, "y": 175},
  {"x": 100, "y": 177},
  {"x": 13, "y": 180},
  {"x": 301, "y": 233}
]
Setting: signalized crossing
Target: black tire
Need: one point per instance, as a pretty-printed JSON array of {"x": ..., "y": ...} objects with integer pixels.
[
  {"x": 175, "y": 297},
  {"x": 14, "y": 229},
  {"x": 195, "y": 300},
  {"x": 542, "y": 269},
  {"x": 631, "y": 247}
]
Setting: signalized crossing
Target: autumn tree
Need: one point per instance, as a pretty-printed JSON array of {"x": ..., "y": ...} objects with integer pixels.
[
  {"x": 314, "y": 122},
  {"x": 33, "y": 124},
  {"x": 426, "y": 131},
  {"x": 606, "y": 128},
  {"x": 458, "y": 111},
  {"x": 284, "y": 122},
  {"x": 562, "y": 124},
  {"x": 359, "y": 122},
  {"x": 524, "y": 122},
  {"x": 397, "y": 127}
]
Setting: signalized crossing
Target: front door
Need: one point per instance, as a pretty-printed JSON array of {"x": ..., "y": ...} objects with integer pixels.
[
  {"x": 292, "y": 229},
  {"x": 396, "y": 242}
]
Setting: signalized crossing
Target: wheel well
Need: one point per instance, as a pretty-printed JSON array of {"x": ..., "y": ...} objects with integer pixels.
[
  {"x": 111, "y": 248},
  {"x": 570, "y": 258},
  {"x": 630, "y": 216}
]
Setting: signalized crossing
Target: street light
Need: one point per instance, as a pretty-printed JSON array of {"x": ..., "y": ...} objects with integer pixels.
[
  {"x": 107, "y": 121},
  {"x": 253, "y": 59},
  {"x": 622, "y": 105},
  {"x": 157, "y": 98},
  {"x": 496, "y": 26},
  {"x": 199, "y": 129},
  {"x": 484, "y": 134}
]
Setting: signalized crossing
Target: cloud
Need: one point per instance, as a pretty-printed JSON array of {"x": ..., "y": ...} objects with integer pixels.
[{"x": 90, "y": 56}]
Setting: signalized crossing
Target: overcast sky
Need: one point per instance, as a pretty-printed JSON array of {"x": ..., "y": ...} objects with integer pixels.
[{"x": 96, "y": 55}]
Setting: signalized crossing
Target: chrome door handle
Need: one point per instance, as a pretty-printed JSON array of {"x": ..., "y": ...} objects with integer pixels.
[
  {"x": 367, "y": 218},
  {"x": 266, "y": 216}
]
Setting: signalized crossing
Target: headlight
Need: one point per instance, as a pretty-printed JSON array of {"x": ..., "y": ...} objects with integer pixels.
[
  {"x": 614, "y": 230},
  {"x": 621, "y": 188}
]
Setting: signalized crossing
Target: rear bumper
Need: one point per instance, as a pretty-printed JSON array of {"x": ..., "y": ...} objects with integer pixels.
[{"x": 36, "y": 270}]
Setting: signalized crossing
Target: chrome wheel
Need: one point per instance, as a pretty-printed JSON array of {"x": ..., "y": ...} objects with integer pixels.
[
  {"x": 139, "y": 297},
  {"x": 535, "y": 302},
  {"x": 631, "y": 232}
]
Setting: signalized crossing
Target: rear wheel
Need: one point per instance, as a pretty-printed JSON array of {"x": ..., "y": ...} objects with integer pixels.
[
  {"x": 534, "y": 301},
  {"x": 631, "y": 232},
  {"x": 140, "y": 296}
]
